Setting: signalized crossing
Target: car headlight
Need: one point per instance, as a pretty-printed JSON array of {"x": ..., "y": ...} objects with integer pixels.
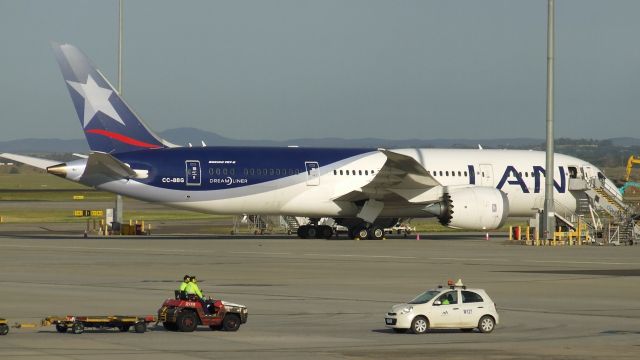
[{"x": 406, "y": 310}]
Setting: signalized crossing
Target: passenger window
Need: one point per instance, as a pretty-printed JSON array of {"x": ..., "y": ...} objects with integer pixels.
[
  {"x": 335, "y": 172},
  {"x": 232, "y": 171},
  {"x": 459, "y": 173},
  {"x": 252, "y": 171},
  {"x": 272, "y": 172},
  {"x": 224, "y": 171},
  {"x": 347, "y": 172},
  {"x": 258, "y": 172},
  {"x": 471, "y": 297},
  {"x": 246, "y": 171},
  {"x": 278, "y": 172},
  {"x": 366, "y": 172},
  {"x": 440, "y": 172},
  {"x": 453, "y": 173},
  {"x": 465, "y": 173},
  {"x": 341, "y": 172},
  {"x": 446, "y": 173},
  {"x": 359, "y": 172}
]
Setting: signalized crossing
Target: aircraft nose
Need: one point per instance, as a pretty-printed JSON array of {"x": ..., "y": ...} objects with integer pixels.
[{"x": 58, "y": 170}]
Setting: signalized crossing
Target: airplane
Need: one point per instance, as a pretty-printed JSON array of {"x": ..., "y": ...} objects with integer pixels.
[{"x": 363, "y": 189}]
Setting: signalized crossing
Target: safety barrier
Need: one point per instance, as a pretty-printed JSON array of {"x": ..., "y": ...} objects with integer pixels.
[{"x": 579, "y": 236}]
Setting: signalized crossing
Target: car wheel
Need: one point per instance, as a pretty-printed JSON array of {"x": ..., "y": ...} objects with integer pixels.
[
  {"x": 419, "y": 325},
  {"x": 486, "y": 324},
  {"x": 169, "y": 326},
  {"x": 400, "y": 331},
  {"x": 61, "y": 328},
  {"x": 231, "y": 322},
  {"x": 140, "y": 327},
  {"x": 4, "y": 329},
  {"x": 187, "y": 321}
]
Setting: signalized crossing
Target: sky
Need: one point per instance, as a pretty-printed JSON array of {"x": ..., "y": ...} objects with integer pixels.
[{"x": 284, "y": 69}]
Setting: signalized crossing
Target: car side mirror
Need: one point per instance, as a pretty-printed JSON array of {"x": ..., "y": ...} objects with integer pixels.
[{"x": 437, "y": 303}]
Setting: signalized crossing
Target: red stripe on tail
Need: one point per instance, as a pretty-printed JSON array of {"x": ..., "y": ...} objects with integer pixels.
[{"x": 124, "y": 139}]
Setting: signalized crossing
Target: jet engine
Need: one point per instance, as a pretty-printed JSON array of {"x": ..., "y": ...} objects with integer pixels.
[{"x": 476, "y": 207}]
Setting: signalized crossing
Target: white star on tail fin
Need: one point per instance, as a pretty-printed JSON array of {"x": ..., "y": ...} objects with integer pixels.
[{"x": 96, "y": 99}]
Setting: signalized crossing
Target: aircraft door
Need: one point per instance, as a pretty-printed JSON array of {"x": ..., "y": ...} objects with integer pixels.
[
  {"x": 486, "y": 175},
  {"x": 194, "y": 177},
  {"x": 313, "y": 173}
]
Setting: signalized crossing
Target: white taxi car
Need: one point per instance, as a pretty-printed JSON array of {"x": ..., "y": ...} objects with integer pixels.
[{"x": 454, "y": 306}]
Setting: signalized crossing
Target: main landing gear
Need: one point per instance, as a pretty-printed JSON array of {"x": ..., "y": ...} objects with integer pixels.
[
  {"x": 315, "y": 231},
  {"x": 372, "y": 232}
]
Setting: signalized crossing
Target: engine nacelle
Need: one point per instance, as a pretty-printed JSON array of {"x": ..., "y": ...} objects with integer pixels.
[{"x": 475, "y": 207}]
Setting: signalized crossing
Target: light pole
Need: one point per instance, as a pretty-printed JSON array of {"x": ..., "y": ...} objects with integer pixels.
[{"x": 549, "y": 219}]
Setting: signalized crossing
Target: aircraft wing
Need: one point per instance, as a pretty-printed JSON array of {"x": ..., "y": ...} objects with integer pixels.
[
  {"x": 401, "y": 179},
  {"x": 32, "y": 161}
]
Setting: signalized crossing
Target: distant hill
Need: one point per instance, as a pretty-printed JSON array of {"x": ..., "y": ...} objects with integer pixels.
[
  {"x": 184, "y": 136},
  {"x": 610, "y": 152}
]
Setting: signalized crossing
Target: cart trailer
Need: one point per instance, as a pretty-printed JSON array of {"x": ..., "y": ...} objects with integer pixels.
[{"x": 77, "y": 324}]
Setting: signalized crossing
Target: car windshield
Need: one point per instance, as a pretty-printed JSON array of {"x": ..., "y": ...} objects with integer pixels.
[{"x": 424, "y": 297}]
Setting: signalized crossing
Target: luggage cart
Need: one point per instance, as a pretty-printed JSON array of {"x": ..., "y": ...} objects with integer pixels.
[{"x": 77, "y": 324}]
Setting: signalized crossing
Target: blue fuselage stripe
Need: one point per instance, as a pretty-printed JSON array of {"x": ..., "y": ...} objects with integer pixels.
[{"x": 215, "y": 168}]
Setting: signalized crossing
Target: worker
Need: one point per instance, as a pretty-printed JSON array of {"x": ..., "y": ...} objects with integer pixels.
[
  {"x": 185, "y": 282},
  {"x": 444, "y": 299},
  {"x": 192, "y": 288}
]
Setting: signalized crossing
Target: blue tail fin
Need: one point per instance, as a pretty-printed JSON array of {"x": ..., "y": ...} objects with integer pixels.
[{"x": 109, "y": 124}]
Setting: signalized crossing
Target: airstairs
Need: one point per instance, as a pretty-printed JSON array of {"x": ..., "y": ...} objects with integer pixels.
[{"x": 609, "y": 219}]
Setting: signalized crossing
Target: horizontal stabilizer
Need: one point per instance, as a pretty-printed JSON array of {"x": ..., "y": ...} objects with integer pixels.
[
  {"x": 106, "y": 166},
  {"x": 31, "y": 161}
]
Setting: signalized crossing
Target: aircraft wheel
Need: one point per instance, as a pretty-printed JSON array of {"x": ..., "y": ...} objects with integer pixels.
[
  {"x": 326, "y": 232},
  {"x": 312, "y": 232},
  {"x": 4, "y": 329},
  {"x": 376, "y": 233},
  {"x": 362, "y": 233},
  {"x": 303, "y": 231}
]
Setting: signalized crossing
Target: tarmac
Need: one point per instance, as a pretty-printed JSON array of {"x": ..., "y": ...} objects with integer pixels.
[{"x": 316, "y": 299}]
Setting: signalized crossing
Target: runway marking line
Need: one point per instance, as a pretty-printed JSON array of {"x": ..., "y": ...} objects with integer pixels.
[{"x": 363, "y": 256}]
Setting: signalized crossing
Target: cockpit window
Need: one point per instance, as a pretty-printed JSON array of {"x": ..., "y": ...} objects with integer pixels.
[{"x": 424, "y": 297}]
